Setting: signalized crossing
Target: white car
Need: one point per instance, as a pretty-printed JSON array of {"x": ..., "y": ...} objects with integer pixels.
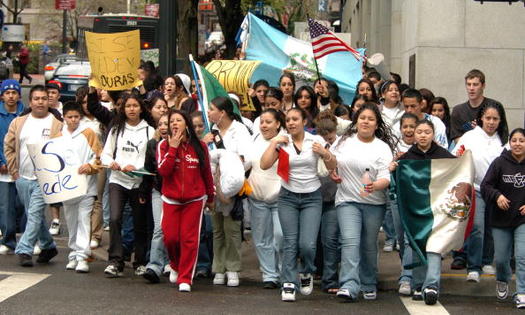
[{"x": 50, "y": 68}]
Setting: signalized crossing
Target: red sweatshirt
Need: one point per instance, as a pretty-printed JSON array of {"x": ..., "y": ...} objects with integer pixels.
[{"x": 182, "y": 177}]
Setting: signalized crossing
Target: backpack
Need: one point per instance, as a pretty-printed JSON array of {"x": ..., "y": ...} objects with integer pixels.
[{"x": 4, "y": 72}]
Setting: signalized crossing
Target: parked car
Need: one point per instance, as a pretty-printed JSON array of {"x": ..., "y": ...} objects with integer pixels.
[
  {"x": 72, "y": 75},
  {"x": 51, "y": 67}
]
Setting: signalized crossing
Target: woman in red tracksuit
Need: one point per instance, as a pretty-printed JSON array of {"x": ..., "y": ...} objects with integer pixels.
[{"x": 184, "y": 165}]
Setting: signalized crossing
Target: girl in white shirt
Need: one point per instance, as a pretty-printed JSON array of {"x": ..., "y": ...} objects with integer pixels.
[{"x": 367, "y": 146}]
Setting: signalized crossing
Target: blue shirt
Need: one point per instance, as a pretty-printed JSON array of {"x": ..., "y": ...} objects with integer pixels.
[{"x": 5, "y": 120}]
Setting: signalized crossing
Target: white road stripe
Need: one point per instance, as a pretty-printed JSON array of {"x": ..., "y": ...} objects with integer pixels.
[
  {"x": 17, "y": 282},
  {"x": 420, "y": 308}
]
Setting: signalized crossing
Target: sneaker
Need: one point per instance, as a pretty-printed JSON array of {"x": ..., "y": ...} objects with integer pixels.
[
  {"x": 37, "y": 250},
  {"x": 25, "y": 260},
  {"x": 502, "y": 290},
  {"x": 201, "y": 274},
  {"x": 520, "y": 300},
  {"x": 106, "y": 228},
  {"x": 458, "y": 264},
  {"x": 140, "y": 271},
  {"x": 389, "y": 247},
  {"x": 184, "y": 287},
  {"x": 307, "y": 283},
  {"x": 398, "y": 248},
  {"x": 166, "y": 271},
  {"x": 6, "y": 250},
  {"x": 488, "y": 270},
  {"x": 72, "y": 264},
  {"x": 431, "y": 296},
  {"x": 288, "y": 292},
  {"x": 473, "y": 276},
  {"x": 270, "y": 285},
  {"x": 46, "y": 255},
  {"x": 417, "y": 295},
  {"x": 173, "y": 276},
  {"x": 405, "y": 288},
  {"x": 94, "y": 244},
  {"x": 345, "y": 296},
  {"x": 219, "y": 278},
  {"x": 54, "y": 229},
  {"x": 82, "y": 266},
  {"x": 112, "y": 271},
  {"x": 370, "y": 295},
  {"x": 151, "y": 276},
  {"x": 233, "y": 278}
]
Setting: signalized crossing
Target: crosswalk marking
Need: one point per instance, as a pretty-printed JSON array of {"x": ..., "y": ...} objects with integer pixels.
[
  {"x": 17, "y": 282},
  {"x": 420, "y": 308}
]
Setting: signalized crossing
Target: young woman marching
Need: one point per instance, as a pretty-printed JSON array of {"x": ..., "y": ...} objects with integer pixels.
[
  {"x": 300, "y": 201},
  {"x": 391, "y": 107},
  {"x": 306, "y": 99},
  {"x": 273, "y": 99},
  {"x": 287, "y": 86},
  {"x": 504, "y": 192},
  {"x": 365, "y": 148},
  {"x": 183, "y": 164}
]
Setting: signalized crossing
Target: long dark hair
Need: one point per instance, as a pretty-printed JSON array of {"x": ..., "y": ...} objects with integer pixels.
[
  {"x": 277, "y": 115},
  {"x": 311, "y": 111},
  {"x": 371, "y": 86},
  {"x": 193, "y": 139},
  {"x": 290, "y": 76},
  {"x": 226, "y": 104},
  {"x": 382, "y": 132},
  {"x": 120, "y": 118},
  {"x": 503, "y": 128}
]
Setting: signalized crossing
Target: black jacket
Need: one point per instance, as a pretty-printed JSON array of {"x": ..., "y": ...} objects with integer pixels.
[
  {"x": 150, "y": 165},
  {"x": 505, "y": 176},
  {"x": 435, "y": 152}
]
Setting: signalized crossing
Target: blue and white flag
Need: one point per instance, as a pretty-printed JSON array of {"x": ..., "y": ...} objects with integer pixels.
[{"x": 281, "y": 52}]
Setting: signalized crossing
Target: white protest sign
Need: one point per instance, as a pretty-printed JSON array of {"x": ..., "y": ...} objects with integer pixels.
[{"x": 56, "y": 168}]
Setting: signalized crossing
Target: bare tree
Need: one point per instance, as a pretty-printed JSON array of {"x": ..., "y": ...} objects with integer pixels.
[
  {"x": 187, "y": 30},
  {"x": 15, "y": 10},
  {"x": 230, "y": 16}
]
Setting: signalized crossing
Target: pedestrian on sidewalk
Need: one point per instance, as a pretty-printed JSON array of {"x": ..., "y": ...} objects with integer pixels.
[
  {"x": 23, "y": 61},
  {"x": 184, "y": 165}
]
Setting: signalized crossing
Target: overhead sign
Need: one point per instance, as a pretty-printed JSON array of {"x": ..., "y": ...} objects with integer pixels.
[
  {"x": 65, "y": 4},
  {"x": 13, "y": 33},
  {"x": 114, "y": 59}
]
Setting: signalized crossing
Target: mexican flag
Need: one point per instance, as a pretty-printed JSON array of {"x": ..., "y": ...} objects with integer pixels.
[{"x": 436, "y": 201}]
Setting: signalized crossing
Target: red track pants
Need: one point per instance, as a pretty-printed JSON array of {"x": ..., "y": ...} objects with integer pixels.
[{"x": 181, "y": 225}]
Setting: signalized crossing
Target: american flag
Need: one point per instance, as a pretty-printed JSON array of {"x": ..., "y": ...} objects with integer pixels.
[{"x": 325, "y": 42}]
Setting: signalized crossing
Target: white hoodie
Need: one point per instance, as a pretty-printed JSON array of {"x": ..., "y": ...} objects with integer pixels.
[{"x": 130, "y": 150}]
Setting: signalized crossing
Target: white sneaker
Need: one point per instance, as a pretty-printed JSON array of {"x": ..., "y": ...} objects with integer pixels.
[
  {"x": 173, "y": 276},
  {"x": 106, "y": 228},
  {"x": 520, "y": 301},
  {"x": 167, "y": 270},
  {"x": 288, "y": 292},
  {"x": 82, "y": 267},
  {"x": 233, "y": 278},
  {"x": 502, "y": 290},
  {"x": 184, "y": 287},
  {"x": 473, "y": 276},
  {"x": 389, "y": 247},
  {"x": 5, "y": 250},
  {"x": 370, "y": 295},
  {"x": 94, "y": 244},
  {"x": 307, "y": 283},
  {"x": 72, "y": 264},
  {"x": 54, "y": 229},
  {"x": 405, "y": 288},
  {"x": 219, "y": 278},
  {"x": 36, "y": 250},
  {"x": 489, "y": 270}
]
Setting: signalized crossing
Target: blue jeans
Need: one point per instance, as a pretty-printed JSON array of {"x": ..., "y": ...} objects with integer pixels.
[
  {"x": 388, "y": 226},
  {"x": 105, "y": 200},
  {"x": 8, "y": 213},
  {"x": 405, "y": 252},
  {"x": 474, "y": 246},
  {"x": 158, "y": 257},
  {"x": 504, "y": 239},
  {"x": 128, "y": 236},
  {"x": 36, "y": 229},
  {"x": 300, "y": 217},
  {"x": 330, "y": 239},
  {"x": 267, "y": 237},
  {"x": 205, "y": 258},
  {"x": 427, "y": 275},
  {"x": 359, "y": 224}
]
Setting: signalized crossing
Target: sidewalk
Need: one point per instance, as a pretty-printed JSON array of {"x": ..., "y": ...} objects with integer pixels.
[{"x": 37, "y": 79}]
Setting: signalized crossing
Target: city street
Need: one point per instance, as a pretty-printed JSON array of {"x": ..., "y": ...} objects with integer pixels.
[{"x": 49, "y": 289}]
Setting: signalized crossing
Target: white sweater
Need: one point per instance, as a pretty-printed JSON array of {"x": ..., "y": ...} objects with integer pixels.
[
  {"x": 130, "y": 150},
  {"x": 265, "y": 184}
]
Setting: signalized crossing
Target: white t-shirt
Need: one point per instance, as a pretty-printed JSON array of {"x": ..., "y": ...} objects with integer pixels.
[
  {"x": 402, "y": 146},
  {"x": 303, "y": 165},
  {"x": 392, "y": 115},
  {"x": 35, "y": 130},
  {"x": 353, "y": 158}
]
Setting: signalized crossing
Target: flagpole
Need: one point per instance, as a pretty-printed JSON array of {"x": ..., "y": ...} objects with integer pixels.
[{"x": 313, "y": 53}]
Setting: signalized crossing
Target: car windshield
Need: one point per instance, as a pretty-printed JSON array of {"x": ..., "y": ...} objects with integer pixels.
[{"x": 77, "y": 68}]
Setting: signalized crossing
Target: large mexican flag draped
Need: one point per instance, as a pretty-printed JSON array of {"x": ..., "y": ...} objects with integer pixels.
[{"x": 436, "y": 201}]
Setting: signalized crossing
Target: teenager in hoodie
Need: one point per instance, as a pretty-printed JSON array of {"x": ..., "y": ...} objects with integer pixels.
[
  {"x": 84, "y": 149},
  {"x": 503, "y": 190},
  {"x": 425, "y": 279},
  {"x": 124, "y": 152}
]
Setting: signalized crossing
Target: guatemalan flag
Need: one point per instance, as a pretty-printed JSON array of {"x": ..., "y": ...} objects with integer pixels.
[
  {"x": 436, "y": 201},
  {"x": 281, "y": 52}
]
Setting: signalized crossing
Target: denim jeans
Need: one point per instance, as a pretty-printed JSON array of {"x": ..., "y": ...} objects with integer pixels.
[
  {"x": 300, "y": 217},
  {"x": 427, "y": 275},
  {"x": 128, "y": 235},
  {"x": 36, "y": 229},
  {"x": 388, "y": 226},
  {"x": 405, "y": 252},
  {"x": 267, "y": 237},
  {"x": 8, "y": 213},
  {"x": 474, "y": 246},
  {"x": 330, "y": 240},
  {"x": 504, "y": 239},
  {"x": 359, "y": 224},
  {"x": 105, "y": 200},
  {"x": 205, "y": 259},
  {"x": 158, "y": 257}
]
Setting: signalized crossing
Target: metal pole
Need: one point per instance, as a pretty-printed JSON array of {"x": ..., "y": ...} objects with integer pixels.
[{"x": 64, "y": 31}]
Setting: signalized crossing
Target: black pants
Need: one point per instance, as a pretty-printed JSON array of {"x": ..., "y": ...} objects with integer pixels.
[
  {"x": 118, "y": 196},
  {"x": 24, "y": 74}
]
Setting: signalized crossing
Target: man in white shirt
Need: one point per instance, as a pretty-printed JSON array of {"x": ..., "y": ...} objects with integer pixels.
[{"x": 37, "y": 126}]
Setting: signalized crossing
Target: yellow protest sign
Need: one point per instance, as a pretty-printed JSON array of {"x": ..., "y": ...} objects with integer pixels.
[
  {"x": 114, "y": 59},
  {"x": 235, "y": 75}
]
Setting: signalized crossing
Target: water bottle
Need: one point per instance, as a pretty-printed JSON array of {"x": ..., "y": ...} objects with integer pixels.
[{"x": 365, "y": 180}]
